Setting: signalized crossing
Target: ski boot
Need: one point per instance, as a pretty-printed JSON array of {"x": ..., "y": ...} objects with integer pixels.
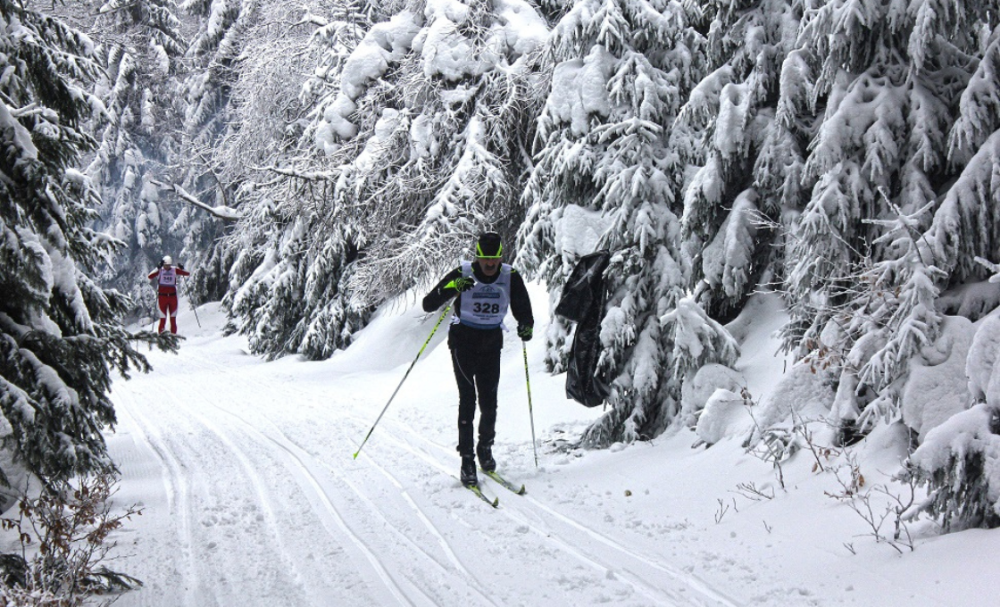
[
  {"x": 468, "y": 475},
  {"x": 486, "y": 461}
]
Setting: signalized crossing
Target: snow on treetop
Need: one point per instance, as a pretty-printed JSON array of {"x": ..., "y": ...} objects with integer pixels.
[
  {"x": 452, "y": 10},
  {"x": 579, "y": 89},
  {"x": 384, "y": 44},
  {"x": 16, "y": 134},
  {"x": 447, "y": 53},
  {"x": 524, "y": 28}
]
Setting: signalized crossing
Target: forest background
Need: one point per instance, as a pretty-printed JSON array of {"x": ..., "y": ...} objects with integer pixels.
[{"x": 311, "y": 161}]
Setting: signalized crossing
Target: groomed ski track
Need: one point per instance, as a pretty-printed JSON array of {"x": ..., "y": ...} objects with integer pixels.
[{"x": 251, "y": 498}]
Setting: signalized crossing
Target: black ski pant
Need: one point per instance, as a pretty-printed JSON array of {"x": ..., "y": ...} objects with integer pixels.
[{"x": 477, "y": 371}]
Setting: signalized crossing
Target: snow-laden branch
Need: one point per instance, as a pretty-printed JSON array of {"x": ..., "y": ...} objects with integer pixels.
[
  {"x": 306, "y": 175},
  {"x": 222, "y": 212}
]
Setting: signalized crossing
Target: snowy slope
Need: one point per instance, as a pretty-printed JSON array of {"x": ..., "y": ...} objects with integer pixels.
[{"x": 251, "y": 496}]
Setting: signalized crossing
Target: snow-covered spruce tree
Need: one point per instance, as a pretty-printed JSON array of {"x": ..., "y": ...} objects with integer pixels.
[
  {"x": 213, "y": 61},
  {"x": 606, "y": 160},
  {"x": 861, "y": 292},
  {"x": 214, "y": 52},
  {"x": 959, "y": 463},
  {"x": 696, "y": 341},
  {"x": 140, "y": 46},
  {"x": 894, "y": 317},
  {"x": 967, "y": 222},
  {"x": 441, "y": 151},
  {"x": 421, "y": 147},
  {"x": 959, "y": 460},
  {"x": 751, "y": 154},
  {"x": 944, "y": 215},
  {"x": 60, "y": 334},
  {"x": 285, "y": 186}
]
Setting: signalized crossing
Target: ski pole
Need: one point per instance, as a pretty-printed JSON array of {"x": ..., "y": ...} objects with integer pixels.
[
  {"x": 379, "y": 418},
  {"x": 156, "y": 312},
  {"x": 191, "y": 301},
  {"x": 531, "y": 413}
]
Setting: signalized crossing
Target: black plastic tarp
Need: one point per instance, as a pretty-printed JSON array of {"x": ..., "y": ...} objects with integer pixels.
[{"x": 582, "y": 301}]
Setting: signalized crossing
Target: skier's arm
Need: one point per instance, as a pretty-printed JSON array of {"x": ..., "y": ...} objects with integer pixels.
[
  {"x": 520, "y": 304},
  {"x": 181, "y": 271},
  {"x": 442, "y": 292},
  {"x": 154, "y": 274}
]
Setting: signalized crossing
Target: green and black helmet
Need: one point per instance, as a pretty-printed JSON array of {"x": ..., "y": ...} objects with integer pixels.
[{"x": 489, "y": 246}]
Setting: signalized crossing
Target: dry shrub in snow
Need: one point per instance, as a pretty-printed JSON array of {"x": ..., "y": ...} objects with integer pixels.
[{"x": 65, "y": 536}]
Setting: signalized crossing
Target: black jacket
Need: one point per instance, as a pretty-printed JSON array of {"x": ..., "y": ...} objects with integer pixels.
[{"x": 462, "y": 336}]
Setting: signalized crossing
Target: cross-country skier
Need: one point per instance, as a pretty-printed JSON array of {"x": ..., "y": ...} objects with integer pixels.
[
  {"x": 166, "y": 290},
  {"x": 484, "y": 288}
]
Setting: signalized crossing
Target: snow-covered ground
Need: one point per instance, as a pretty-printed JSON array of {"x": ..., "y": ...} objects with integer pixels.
[{"x": 251, "y": 495}]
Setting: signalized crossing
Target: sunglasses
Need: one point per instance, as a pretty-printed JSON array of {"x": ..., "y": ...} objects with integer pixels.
[{"x": 479, "y": 253}]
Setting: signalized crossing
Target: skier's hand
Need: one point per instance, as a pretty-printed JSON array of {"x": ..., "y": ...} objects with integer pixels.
[
  {"x": 461, "y": 284},
  {"x": 180, "y": 265},
  {"x": 161, "y": 264},
  {"x": 525, "y": 332}
]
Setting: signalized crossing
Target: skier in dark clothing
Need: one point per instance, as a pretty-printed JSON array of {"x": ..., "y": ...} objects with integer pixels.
[{"x": 485, "y": 288}]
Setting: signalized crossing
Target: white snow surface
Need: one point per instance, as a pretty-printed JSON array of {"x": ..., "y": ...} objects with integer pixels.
[{"x": 251, "y": 495}]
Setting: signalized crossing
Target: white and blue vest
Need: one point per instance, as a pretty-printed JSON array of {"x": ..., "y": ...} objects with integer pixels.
[
  {"x": 484, "y": 306},
  {"x": 167, "y": 277}
]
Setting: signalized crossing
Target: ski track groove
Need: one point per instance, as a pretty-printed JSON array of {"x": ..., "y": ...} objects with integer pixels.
[
  {"x": 313, "y": 483},
  {"x": 377, "y": 565},
  {"x": 689, "y": 580},
  {"x": 639, "y": 584},
  {"x": 456, "y": 562},
  {"x": 260, "y": 488},
  {"x": 175, "y": 485},
  {"x": 301, "y": 456}
]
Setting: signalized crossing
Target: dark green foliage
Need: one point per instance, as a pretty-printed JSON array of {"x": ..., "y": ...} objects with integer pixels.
[
  {"x": 60, "y": 333},
  {"x": 957, "y": 462},
  {"x": 963, "y": 501}
]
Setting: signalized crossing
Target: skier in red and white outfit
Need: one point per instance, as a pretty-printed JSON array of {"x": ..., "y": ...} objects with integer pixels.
[{"x": 166, "y": 289}]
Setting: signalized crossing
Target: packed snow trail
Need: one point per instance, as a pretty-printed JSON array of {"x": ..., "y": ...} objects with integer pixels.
[{"x": 250, "y": 495}]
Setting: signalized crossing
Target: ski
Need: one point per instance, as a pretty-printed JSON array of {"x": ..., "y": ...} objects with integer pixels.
[
  {"x": 479, "y": 492},
  {"x": 504, "y": 482}
]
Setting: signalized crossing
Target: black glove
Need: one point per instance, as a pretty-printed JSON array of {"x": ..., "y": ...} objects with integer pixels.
[
  {"x": 525, "y": 332},
  {"x": 461, "y": 284},
  {"x": 161, "y": 264},
  {"x": 180, "y": 265}
]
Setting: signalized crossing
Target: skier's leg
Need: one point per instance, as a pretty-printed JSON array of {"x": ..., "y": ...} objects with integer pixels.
[
  {"x": 487, "y": 380},
  {"x": 172, "y": 308},
  {"x": 161, "y": 303},
  {"x": 464, "y": 374}
]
